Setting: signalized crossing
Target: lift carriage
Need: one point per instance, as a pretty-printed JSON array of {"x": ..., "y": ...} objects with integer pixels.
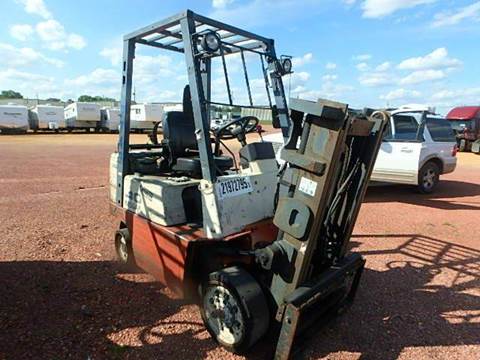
[{"x": 257, "y": 247}]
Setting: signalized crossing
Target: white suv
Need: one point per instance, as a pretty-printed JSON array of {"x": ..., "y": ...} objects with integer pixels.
[{"x": 417, "y": 148}]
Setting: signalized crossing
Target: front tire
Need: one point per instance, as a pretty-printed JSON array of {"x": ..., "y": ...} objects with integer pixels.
[
  {"x": 428, "y": 178},
  {"x": 234, "y": 309}
]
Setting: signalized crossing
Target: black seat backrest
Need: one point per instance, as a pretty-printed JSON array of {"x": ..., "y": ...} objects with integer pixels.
[
  {"x": 187, "y": 103},
  {"x": 179, "y": 133},
  {"x": 179, "y": 128}
]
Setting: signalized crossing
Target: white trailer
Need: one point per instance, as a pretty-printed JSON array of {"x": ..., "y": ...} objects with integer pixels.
[
  {"x": 172, "y": 107},
  {"x": 110, "y": 119},
  {"x": 145, "y": 116},
  {"x": 260, "y": 114},
  {"x": 46, "y": 117},
  {"x": 80, "y": 115},
  {"x": 13, "y": 118}
]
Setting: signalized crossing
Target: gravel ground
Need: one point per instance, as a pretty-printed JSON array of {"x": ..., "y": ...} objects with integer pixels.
[{"x": 63, "y": 297}]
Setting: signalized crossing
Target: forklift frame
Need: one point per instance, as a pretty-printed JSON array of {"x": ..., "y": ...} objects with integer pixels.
[
  {"x": 181, "y": 33},
  {"x": 302, "y": 261}
]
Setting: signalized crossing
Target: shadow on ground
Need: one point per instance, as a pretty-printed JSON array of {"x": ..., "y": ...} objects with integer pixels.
[
  {"x": 66, "y": 310},
  {"x": 62, "y": 310},
  {"x": 447, "y": 196},
  {"x": 406, "y": 305}
]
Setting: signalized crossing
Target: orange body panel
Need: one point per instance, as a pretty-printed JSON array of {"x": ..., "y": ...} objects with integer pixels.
[
  {"x": 162, "y": 251},
  {"x": 159, "y": 252}
]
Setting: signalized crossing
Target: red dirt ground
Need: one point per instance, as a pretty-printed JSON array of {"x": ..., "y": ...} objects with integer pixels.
[{"x": 63, "y": 297}]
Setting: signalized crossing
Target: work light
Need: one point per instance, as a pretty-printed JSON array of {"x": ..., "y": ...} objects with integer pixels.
[
  {"x": 211, "y": 42},
  {"x": 287, "y": 65}
]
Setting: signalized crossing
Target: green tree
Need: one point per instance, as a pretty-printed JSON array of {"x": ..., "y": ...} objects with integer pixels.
[
  {"x": 10, "y": 94},
  {"x": 88, "y": 98}
]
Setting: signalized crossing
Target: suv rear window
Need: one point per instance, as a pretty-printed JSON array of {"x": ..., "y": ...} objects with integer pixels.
[{"x": 440, "y": 129}]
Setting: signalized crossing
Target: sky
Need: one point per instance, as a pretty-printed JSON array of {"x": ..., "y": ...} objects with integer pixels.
[{"x": 362, "y": 52}]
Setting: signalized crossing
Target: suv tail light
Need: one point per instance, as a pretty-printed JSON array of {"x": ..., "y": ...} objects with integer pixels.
[{"x": 455, "y": 150}]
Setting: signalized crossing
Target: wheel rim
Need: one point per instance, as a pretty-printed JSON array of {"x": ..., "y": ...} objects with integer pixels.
[
  {"x": 429, "y": 178},
  {"x": 223, "y": 315},
  {"x": 122, "y": 249}
]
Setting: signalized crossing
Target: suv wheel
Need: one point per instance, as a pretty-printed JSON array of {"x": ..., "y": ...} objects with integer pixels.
[{"x": 428, "y": 177}]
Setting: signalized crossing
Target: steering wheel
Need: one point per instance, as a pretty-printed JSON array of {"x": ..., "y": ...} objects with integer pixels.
[
  {"x": 153, "y": 136},
  {"x": 236, "y": 128}
]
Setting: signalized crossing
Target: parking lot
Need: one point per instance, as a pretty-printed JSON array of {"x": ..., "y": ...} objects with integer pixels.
[{"x": 63, "y": 296}]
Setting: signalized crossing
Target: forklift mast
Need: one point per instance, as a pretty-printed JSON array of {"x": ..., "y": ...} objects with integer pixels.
[{"x": 330, "y": 156}]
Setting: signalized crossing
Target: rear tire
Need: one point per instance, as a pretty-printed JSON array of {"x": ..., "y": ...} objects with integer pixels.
[
  {"x": 234, "y": 309},
  {"x": 428, "y": 178},
  {"x": 123, "y": 248}
]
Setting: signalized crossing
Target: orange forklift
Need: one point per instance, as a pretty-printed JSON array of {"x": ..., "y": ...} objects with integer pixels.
[{"x": 261, "y": 248}]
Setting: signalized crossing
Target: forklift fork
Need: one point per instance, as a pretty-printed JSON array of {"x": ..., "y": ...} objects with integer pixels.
[{"x": 307, "y": 304}]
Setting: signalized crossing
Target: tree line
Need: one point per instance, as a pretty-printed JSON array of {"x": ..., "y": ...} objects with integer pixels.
[{"x": 11, "y": 94}]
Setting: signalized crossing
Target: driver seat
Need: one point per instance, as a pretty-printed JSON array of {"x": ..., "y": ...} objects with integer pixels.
[{"x": 180, "y": 140}]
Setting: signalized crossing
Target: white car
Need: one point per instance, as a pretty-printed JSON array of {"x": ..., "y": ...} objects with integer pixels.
[
  {"x": 218, "y": 123},
  {"x": 417, "y": 148}
]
